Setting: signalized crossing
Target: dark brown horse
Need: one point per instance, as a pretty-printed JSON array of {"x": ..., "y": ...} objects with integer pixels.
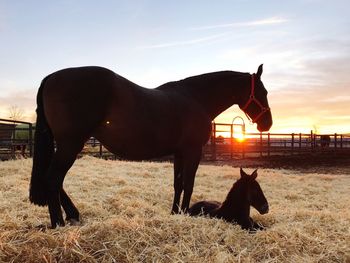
[
  {"x": 132, "y": 122},
  {"x": 244, "y": 193}
]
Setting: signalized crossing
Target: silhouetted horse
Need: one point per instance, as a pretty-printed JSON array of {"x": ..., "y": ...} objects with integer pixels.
[
  {"x": 244, "y": 193},
  {"x": 132, "y": 122}
]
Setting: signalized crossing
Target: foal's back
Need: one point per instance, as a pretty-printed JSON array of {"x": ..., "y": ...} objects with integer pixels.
[{"x": 204, "y": 208}]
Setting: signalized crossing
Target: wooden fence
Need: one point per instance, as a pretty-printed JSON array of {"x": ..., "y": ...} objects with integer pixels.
[
  {"x": 16, "y": 139},
  {"x": 225, "y": 144}
]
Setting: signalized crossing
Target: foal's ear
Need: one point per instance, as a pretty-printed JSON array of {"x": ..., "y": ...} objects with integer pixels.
[
  {"x": 254, "y": 174},
  {"x": 260, "y": 71},
  {"x": 243, "y": 174}
]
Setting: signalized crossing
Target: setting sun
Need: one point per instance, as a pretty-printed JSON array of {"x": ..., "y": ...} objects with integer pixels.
[{"x": 239, "y": 136}]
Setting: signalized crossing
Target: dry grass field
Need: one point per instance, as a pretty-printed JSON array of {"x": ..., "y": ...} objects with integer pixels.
[{"x": 125, "y": 207}]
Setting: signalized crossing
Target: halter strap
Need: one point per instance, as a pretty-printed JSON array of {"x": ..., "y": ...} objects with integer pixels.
[{"x": 253, "y": 99}]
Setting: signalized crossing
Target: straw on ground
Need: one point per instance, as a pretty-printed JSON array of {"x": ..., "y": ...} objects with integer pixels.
[{"x": 125, "y": 207}]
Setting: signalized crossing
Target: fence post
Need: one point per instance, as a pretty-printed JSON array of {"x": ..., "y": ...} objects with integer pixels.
[
  {"x": 300, "y": 141},
  {"x": 268, "y": 144},
  {"x": 261, "y": 145},
  {"x": 335, "y": 141},
  {"x": 341, "y": 141},
  {"x": 30, "y": 141},
  {"x": 312, "y": 140},
  {"x": 100, "y": 149},
  {"x": 292, "y": 143},
  {"x": 213, "y": 143},
  {"x": 243, "y": 149},
  {"x": 231, "y": 145}
]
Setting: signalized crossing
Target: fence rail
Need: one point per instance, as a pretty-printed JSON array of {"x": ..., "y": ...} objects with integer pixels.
[{"x": 16, "y": 139}]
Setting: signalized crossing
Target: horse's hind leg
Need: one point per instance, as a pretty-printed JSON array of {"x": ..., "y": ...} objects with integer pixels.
[
  {"x": 62, "y": 161},
  {"x": 72, "y": 213}
]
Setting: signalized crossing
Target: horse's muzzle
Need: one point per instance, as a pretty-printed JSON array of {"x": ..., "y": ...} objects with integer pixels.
[{"x": 265, "y": 123}]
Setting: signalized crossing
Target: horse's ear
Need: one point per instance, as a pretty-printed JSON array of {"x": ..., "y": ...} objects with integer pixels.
[
  {"x": 254, "y": 174},
  {"x": 260, "y": 71}
]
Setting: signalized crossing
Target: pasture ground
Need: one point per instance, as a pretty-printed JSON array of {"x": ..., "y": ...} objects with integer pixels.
[
  {"x": 317, "y": 162},
  {"x": 125, "y": 208}
]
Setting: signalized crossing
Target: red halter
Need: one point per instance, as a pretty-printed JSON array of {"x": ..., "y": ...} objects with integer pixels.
[{"x": 253, "y": 99}]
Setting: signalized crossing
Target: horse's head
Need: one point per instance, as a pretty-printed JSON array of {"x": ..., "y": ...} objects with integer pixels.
[
  {"x": 254, "y": 194},
  {"x": 254, "y": 102}
]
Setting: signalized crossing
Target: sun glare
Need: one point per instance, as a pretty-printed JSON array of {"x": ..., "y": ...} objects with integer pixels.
[{"x": 239, "y": 136}]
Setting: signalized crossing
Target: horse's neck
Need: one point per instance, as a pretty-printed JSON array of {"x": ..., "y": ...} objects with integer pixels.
[
  {"x": 216, "y": 92},
  {"x": 233, "y": 207}
]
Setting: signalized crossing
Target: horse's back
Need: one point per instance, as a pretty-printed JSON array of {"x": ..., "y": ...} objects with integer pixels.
[
  {"x": 77, "y": 99},
  {"x": 129, "y": 120}
]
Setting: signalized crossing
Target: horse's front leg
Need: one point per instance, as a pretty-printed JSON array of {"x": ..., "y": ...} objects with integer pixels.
[
  {"x": 248, "y": 223},
  {"x": 191, "y": 158},
  {"x": 178, "y": 183}
]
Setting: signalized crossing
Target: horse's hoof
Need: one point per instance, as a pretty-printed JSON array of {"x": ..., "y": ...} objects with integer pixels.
[
  {"x": 175, "y": 212},
  {"x": 73, "y": 222},
  {"x": 58, "y": 225}
]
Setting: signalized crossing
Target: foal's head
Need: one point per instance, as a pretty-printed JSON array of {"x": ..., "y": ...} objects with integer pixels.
[{"x": 247, "y": 191}]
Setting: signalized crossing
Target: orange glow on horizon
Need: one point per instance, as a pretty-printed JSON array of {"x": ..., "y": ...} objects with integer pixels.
[
  {"x": 287, "y": 121},
  {"x": 239, "y": 136}
]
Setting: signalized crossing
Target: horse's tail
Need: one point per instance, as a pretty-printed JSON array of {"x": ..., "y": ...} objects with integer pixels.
[{"x": 43, "y": 152}]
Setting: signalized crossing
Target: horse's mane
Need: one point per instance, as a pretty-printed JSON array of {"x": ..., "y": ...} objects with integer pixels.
[
  {"x": 212, "y": 75},
  {"x": 185, "y": 84}
]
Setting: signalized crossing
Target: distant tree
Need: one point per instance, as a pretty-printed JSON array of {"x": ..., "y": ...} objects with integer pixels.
[
  {"x": 32, "y": 117},
  {"x": 15, "y": 113}
]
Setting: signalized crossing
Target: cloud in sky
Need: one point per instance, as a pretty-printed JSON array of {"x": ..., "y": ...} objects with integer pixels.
[
  {"x": 261, "y": 22},
  {"x": 338, "y": 98},
  {"x": 300, "y": 110}
]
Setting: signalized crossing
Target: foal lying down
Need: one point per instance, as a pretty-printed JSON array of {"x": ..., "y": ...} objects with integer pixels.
[{"x": 244, "y": 193}]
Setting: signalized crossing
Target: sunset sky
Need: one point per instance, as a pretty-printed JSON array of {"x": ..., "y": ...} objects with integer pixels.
[{"x": 304, "y": 45}]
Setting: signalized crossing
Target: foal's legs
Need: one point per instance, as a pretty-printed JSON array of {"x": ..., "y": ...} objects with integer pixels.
[
  {"x": 62, "y": 160},
  {"x": 255, "y": 225}
]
